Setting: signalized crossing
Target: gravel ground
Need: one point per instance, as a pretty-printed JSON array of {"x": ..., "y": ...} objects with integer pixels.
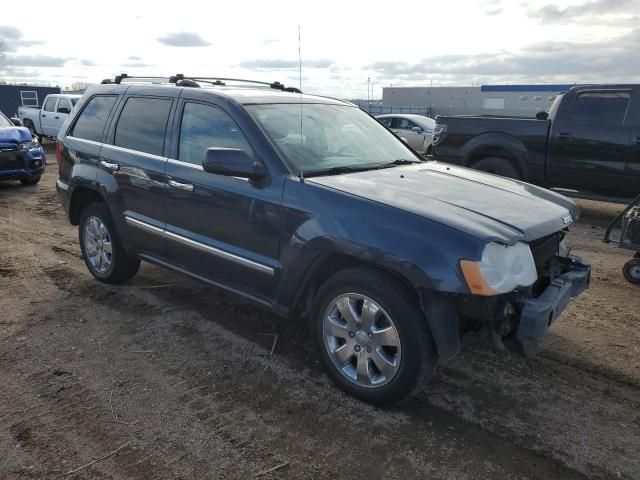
[{"x": 167, "y": 378}]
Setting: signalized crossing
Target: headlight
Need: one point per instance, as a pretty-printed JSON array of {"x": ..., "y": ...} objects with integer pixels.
[
  {"x": 502, "y": 269},
  {"x": 30, "y": 145}
]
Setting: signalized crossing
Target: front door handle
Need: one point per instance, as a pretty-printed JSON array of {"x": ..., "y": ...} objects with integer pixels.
[
  {"x": 114, "y": 167},
  {"x": 564, "y": 136},
  {"x": 187, "y": 187}
]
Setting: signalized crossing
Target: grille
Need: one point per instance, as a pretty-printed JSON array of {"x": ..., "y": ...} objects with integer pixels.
[{"x": 544, "y": 249}]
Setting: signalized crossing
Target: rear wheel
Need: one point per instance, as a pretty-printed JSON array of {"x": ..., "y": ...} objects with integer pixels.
[
  {"x": 101, "y": 247},
  {"x": 372, "y": 336},
  {"x": 631, "y": 271},
  {"x": 29, "y": 124},
  {"x": 30, "y": 181},
  {"x": 497, "y": 166}
]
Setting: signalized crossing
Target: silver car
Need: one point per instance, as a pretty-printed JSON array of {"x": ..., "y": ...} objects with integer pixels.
[{"x": 416, "y": 130}]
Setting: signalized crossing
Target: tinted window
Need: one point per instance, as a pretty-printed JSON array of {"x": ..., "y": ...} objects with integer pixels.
[
  {"x": 604, "y": 108},
  {"x": 64, "y": 103},
  {"x": 385, "y": 121},
  {"x": 142, "y": 124},
  {"x": 92, "y": 120},
  {"x": 50, "y": 104},
  {"x": 203, "y": 127}
]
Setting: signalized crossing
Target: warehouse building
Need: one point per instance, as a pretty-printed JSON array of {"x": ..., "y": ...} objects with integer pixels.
[
  {"x": 508, "y": 100},
  {"x": 14, "y": 96}
]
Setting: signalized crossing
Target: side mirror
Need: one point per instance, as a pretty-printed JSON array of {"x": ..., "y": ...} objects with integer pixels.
[
  {"x": 16, "y": 121},
  {"x": 233, "y": 162},
  {"x": 64, "y": 110},
  {"x": 542, "y": 115},
  {"x": 417, "y": 129}
]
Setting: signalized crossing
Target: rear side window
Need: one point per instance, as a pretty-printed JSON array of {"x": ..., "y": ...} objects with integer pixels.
[
  {"x": 602, "y": 108},
  {"x": 50, "y": 104},
  {"x": 92, "y": 120},
  {"x": 64, "y": 103},
  {"x": 205, "y": 126},
  {"x": 142, "y": 124}
]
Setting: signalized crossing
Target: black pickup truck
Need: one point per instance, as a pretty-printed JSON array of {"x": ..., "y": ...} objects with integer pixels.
[{"x": 589, "y": 143}]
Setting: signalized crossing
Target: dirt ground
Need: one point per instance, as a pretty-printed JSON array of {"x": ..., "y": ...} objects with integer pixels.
[{"x": 165, "y": 378}]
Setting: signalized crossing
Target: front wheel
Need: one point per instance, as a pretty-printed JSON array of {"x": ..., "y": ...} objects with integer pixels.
[
  {"x": 31, "y": 181},
  {"x": 631, "y": 271},
  {"x": 101, "y": 247},
  {"x": 372, "y": 336}
]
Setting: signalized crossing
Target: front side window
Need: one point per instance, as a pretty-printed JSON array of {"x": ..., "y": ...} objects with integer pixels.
[
  {"x": 142, "y": 124},
  {"x": 402, "y": 124},
  {"x": 92, "y": 120},
  {"x": 50, "y": 104},
  {"x": 203, "y": 127},
  {"x": 602, "y": 108},
  {"x": 317, "y": 138}
]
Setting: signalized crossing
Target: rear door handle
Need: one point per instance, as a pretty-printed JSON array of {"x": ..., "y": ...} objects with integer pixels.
[
  {"x": 564, "y": 136},
  {"x": 43, "y": 115},
  {"x": 114, "y": 167},
  {"x": 187, "y": 187}
]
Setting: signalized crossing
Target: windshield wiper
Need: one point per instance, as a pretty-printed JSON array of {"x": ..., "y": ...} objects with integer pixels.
[
  {"x": 399, "y": 161},
  {"x": 337, "y": 170}
]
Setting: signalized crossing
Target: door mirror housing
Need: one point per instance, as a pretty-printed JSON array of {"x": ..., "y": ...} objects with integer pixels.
[
  {"x": 16, "y": 121},
  {"x": 64, "y": 110},
  {"x": 233, "y": 162},
  {"x": 417, "y": 129},
  {"x": 542, "y": 115}
]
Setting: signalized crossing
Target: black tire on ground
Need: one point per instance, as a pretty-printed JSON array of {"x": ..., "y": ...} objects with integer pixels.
[
  {"x": 122, "y": 266},
  {"x": 631, "y": 271},
  {"x": 31, "y": 181},
  {"x": 636, "y": 255},
  {"x": 498, "y": 166},
  {"x": 29, "y": 124},
  {"x": 418, "y": 352}
]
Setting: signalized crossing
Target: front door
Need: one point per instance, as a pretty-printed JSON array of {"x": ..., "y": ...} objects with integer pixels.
[
  {"x": 589, "y": 149},
  {"x": 134, "y": 155},
  {"x": 224, "y": 229},
  {"x": 47, "y": 117},
  {"x": 404, "y": 128}
]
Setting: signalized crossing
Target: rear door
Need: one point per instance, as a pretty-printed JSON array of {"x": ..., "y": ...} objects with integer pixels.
[
  {"x": 134, "y": 155},
  {"x": 589, "y": 147},
  {"x": 221, "y": 228},
  {"x": 47, "y": 114},
  {"x": 403, "y": 128}
]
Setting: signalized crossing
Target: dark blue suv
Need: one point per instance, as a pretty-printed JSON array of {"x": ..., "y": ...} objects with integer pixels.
[
  {"x": 311, "y": 208},
  {"x": 21, "y": 156}
]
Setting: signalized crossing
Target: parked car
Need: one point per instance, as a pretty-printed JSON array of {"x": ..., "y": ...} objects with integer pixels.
[
  {"x": 46, "y": 121},
  {"x": 21, "y": 156},
  {"x": 310, "y": 208},
  {"x": 588, "y": 142},
  {"x": 416, "y": 130}
]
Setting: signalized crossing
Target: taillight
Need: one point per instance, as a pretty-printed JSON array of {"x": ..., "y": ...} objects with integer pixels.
[
  {"x": 59, "y": 150},
  {"x": 439, "y": 133}
]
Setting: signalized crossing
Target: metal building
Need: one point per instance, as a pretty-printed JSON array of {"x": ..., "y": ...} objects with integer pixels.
[
  {"x": 508, "y": 100},
  {"x": 14, "y": 96}
]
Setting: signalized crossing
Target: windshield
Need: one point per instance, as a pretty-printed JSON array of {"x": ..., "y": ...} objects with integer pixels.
[
  {"x": 4, "y": 121},
  {"x": 321, "y": 138}
]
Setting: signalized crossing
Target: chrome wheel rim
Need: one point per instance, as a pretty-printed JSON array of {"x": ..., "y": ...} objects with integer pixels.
[
  {"x": 635, "y": 271},
  {"x": 361, "y": 340},
  {"x": 97, "y": 244}
]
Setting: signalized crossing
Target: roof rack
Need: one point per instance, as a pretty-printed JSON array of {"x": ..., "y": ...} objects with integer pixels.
[{"x": 190, "y": 81}]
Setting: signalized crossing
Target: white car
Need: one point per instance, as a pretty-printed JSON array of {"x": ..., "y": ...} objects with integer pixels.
[
  {"x": 46, "y": 122},
  {"x": 416, "y": 130}
]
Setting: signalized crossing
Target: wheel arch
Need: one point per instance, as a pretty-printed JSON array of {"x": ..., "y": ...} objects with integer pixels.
[
  {"x": 82, "y": 197},
  {"x": 497, "y": 145}
]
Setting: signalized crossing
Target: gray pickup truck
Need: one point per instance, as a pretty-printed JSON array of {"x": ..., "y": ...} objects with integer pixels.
[
  {"x": 588, "y": 144},
  {"x": 46, "y": 121}
]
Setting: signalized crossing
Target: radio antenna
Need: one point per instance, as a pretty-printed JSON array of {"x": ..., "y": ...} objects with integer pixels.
[{"x": 300, "y": 97}]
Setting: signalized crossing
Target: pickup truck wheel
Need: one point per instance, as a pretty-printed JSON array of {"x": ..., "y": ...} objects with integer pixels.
[
  {"x": 372, "y": 336},
  {"x": 631, "y": 271},
  {"x": 101, "y": 247},
  {"x": 29, "y": 124},
  {"x": 497, "y": 166},
  {"x": 31, "y": 181}
]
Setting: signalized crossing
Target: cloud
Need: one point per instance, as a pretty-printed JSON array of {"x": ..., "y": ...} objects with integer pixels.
[
  {"x": 183, "y": 39},
  {"x": 607, "y": 60},
  {"x": 495, "y": 11},
  {"x": 35, "y": 61},
  {"x": 10, "y": 33},
  {"x": 279, "y": 64},
  {"x": 135, "y": 64},
  {"x": 552, "y": 13},
  {"x": 133, "y": 57},
  {"x": 12, "y": 38}
]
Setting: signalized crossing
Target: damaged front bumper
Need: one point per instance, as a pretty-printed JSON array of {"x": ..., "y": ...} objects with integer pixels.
[{"x": 539, "y": 312}]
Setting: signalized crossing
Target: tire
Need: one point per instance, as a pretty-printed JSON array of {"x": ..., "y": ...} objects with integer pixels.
[
  {"x": 344, "y": 345},
  {"x": 31, "y": 181},
  {"x": 29, "y": 124},
  {"x": 108, "y": 267},
  {"x": 631, "y": 271},
  {"x": 497, "y": 166}
]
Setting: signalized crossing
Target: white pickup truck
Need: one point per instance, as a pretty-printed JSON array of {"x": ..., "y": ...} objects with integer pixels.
[{"x": 46, "y": 122}]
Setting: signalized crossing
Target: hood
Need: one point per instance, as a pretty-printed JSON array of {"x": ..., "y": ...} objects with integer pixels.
[
  {"x": 12, "y": 136},
  {"x": 485, "y": 206}
]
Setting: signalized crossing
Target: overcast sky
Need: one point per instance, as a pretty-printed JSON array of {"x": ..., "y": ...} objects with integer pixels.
[{"x": 344, "y": 42}]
